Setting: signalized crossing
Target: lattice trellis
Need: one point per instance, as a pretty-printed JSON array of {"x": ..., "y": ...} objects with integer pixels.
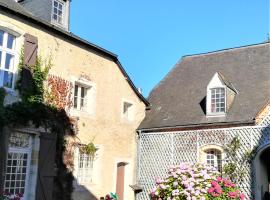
[{"x": 157, "y": 151}]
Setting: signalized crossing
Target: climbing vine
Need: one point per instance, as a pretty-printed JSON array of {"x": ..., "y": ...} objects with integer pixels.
[
  {"x": 231, "y": 169},
  {"x": 33, "y": 109}
]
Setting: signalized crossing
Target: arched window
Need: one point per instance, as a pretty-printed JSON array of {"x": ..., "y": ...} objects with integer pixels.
[{"x": 214, "y": 158}]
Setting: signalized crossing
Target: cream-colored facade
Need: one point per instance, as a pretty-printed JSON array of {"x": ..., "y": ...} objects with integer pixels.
[{"x": 103, "y": 123}]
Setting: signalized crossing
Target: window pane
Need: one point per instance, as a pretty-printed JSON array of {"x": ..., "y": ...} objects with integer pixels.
[
  {"x": 60, "y": 6},
  {"x": 55, "y": 3},
  {"x": 1, "y": 37},
  {"x": 8, "y": 77},
  {"x": 82, "y": 92},
  {"x": 76, "y": 90},
  {"x": 10, "y": 42},
  {"x": 0, "y": 58},
  {"x": 9, "y": 60},
  {"x": 55, "y": 17},
  {"x": 55, "y": 10}
]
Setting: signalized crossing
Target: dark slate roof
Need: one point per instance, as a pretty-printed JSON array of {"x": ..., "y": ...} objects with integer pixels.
[
  {"x": 16, "y": 8},
  {"x": 177, "y": 101}
]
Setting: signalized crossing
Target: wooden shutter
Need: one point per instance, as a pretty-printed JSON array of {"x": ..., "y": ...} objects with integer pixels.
[
  {"x": 46, "y": 167},
  {"x": 30, "y": 49},
  {"x": 30, "y": 58},
  {"x": 4, "y": 136}
]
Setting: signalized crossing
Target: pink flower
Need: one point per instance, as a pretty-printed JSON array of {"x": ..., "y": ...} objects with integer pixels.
[
  {"x": 214, "y": 183},
  {"x": 242, "y": 196},
  {"x": 219, "y": 179},
  {"x": 232, "y": 195},
  {"x": 210, "y": 190}
]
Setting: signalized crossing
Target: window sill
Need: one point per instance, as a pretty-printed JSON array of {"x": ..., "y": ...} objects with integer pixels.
[
  {"x": 77, "y": 113},
  {"x": 216, "y": 115}
]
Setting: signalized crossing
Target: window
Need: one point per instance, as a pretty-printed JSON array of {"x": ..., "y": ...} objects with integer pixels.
[
  {"x": 85, "y": 167},
  {"x": 80, "y": 97},
  {"x": 127, "y": 110},
  {"x": 218, "y": 100},
  {"x": 7, "y": 54},
  {"x": 18, "y": 163},
  {"x": 58, "y": 12},
  {"x": 214, "y": 158}
]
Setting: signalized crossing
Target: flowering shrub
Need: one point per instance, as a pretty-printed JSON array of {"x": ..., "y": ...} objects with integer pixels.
[
  {"x": 194, "y": 182},
  {"x": 6, "y": 196},
  {"x": 224, "y": 189}
]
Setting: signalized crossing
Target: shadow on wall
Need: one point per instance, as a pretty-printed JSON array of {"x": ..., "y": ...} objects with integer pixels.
[
  {"x": 80, "y": 192},
  {"x": 260, "y": 168}
]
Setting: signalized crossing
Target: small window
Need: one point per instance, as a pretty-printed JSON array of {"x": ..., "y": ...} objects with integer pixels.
[
  {"x": 58, "y": 12},
  {"x": 85, "y": 167},
  {"x": 218, "y": 100},
  {"x": 7, "y": 55},
  {"x": 214, "y": 158},
  {"x": 127, "y": 110},
  {"x": 80, "y": 97}
]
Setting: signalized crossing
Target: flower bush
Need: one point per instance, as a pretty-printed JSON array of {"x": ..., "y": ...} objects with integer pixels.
[
  {"x": 7, "y": 196},
  {"x": 224, "y": 189},
  {"x": 194, "y": 182}
]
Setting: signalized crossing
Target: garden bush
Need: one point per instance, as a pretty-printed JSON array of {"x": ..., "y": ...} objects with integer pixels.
[{"x": 195, "y": 182}]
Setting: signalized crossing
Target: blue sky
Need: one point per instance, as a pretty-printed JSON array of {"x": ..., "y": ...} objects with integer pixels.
[{"x": 150, "y": 36}]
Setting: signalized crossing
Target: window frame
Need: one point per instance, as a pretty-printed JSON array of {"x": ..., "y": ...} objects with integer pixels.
[
  {"x": 85, "y": 173},
  {"x": 4, "y": 51},
  {"x": 218, "y": 162},
  {"x": 219, "y": 100},
  {"x": 79, "y": 97},
  {"x": 23, "y": 150},
  {"x": 63, "y": 12}
]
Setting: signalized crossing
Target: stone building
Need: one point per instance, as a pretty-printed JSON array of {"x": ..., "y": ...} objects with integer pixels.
[
  {"x": 204, "y": 102},
  {"x": 98, "y": 94}
]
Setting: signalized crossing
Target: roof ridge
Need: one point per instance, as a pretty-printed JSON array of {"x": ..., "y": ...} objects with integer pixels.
[{"x": 225, "y": 49}]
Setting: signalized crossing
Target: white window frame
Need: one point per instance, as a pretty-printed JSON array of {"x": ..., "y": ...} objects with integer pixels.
[
  {"x": 6, "y": 51},
  {"x": 62, "y": 23},
  {"x": 216, "y": 157},
  {"x": 219, "y": 100},
  {"x": 28, "y": 151},
  {"x": 85, "y": 168},
  {"x": 79, "y": 98}
]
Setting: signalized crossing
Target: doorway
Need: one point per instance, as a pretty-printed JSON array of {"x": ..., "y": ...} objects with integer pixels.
[{"x": 262, "y": 162}]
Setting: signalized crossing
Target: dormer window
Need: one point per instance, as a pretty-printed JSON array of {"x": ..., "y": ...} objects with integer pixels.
[
  {"x": 58, "y": 12},
  {"x": 220, "y": 96},
  {"x": 217, "y": 100}
]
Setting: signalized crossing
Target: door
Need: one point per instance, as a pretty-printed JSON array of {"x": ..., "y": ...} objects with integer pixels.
[{"x": 120, "y": 180}]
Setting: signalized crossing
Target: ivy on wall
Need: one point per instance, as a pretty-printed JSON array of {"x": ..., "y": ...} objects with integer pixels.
[{"x": 32, "y": 108}]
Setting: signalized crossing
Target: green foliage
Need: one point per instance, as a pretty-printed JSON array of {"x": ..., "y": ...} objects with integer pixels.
[
  {"x": 39, "y": 72},
  {"x": 231, "y": 169},
  {"x": 90, "y": 149},
  {"x": 32, "y": 109},
  {"x": 2, "y": 109}
]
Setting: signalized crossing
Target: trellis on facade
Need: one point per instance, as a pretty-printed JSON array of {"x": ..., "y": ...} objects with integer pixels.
[{"x": 158, "y": 150}]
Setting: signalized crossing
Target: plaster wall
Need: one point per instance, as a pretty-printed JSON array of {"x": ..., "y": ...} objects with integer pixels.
[{"x": 114, "y": 135}]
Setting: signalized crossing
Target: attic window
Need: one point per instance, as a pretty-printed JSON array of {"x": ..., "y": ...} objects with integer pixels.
[
  {"x": 58, "y": 12},
  {"x": 217, "y": 100},
  {"x": 220, "y": 96}
]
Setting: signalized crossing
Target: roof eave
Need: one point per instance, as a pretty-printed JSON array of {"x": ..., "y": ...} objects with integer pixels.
[{"x": 198, "y": 126}]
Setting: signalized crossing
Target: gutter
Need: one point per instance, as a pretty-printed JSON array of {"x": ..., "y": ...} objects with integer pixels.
[{"x": 198, "y": 126}]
